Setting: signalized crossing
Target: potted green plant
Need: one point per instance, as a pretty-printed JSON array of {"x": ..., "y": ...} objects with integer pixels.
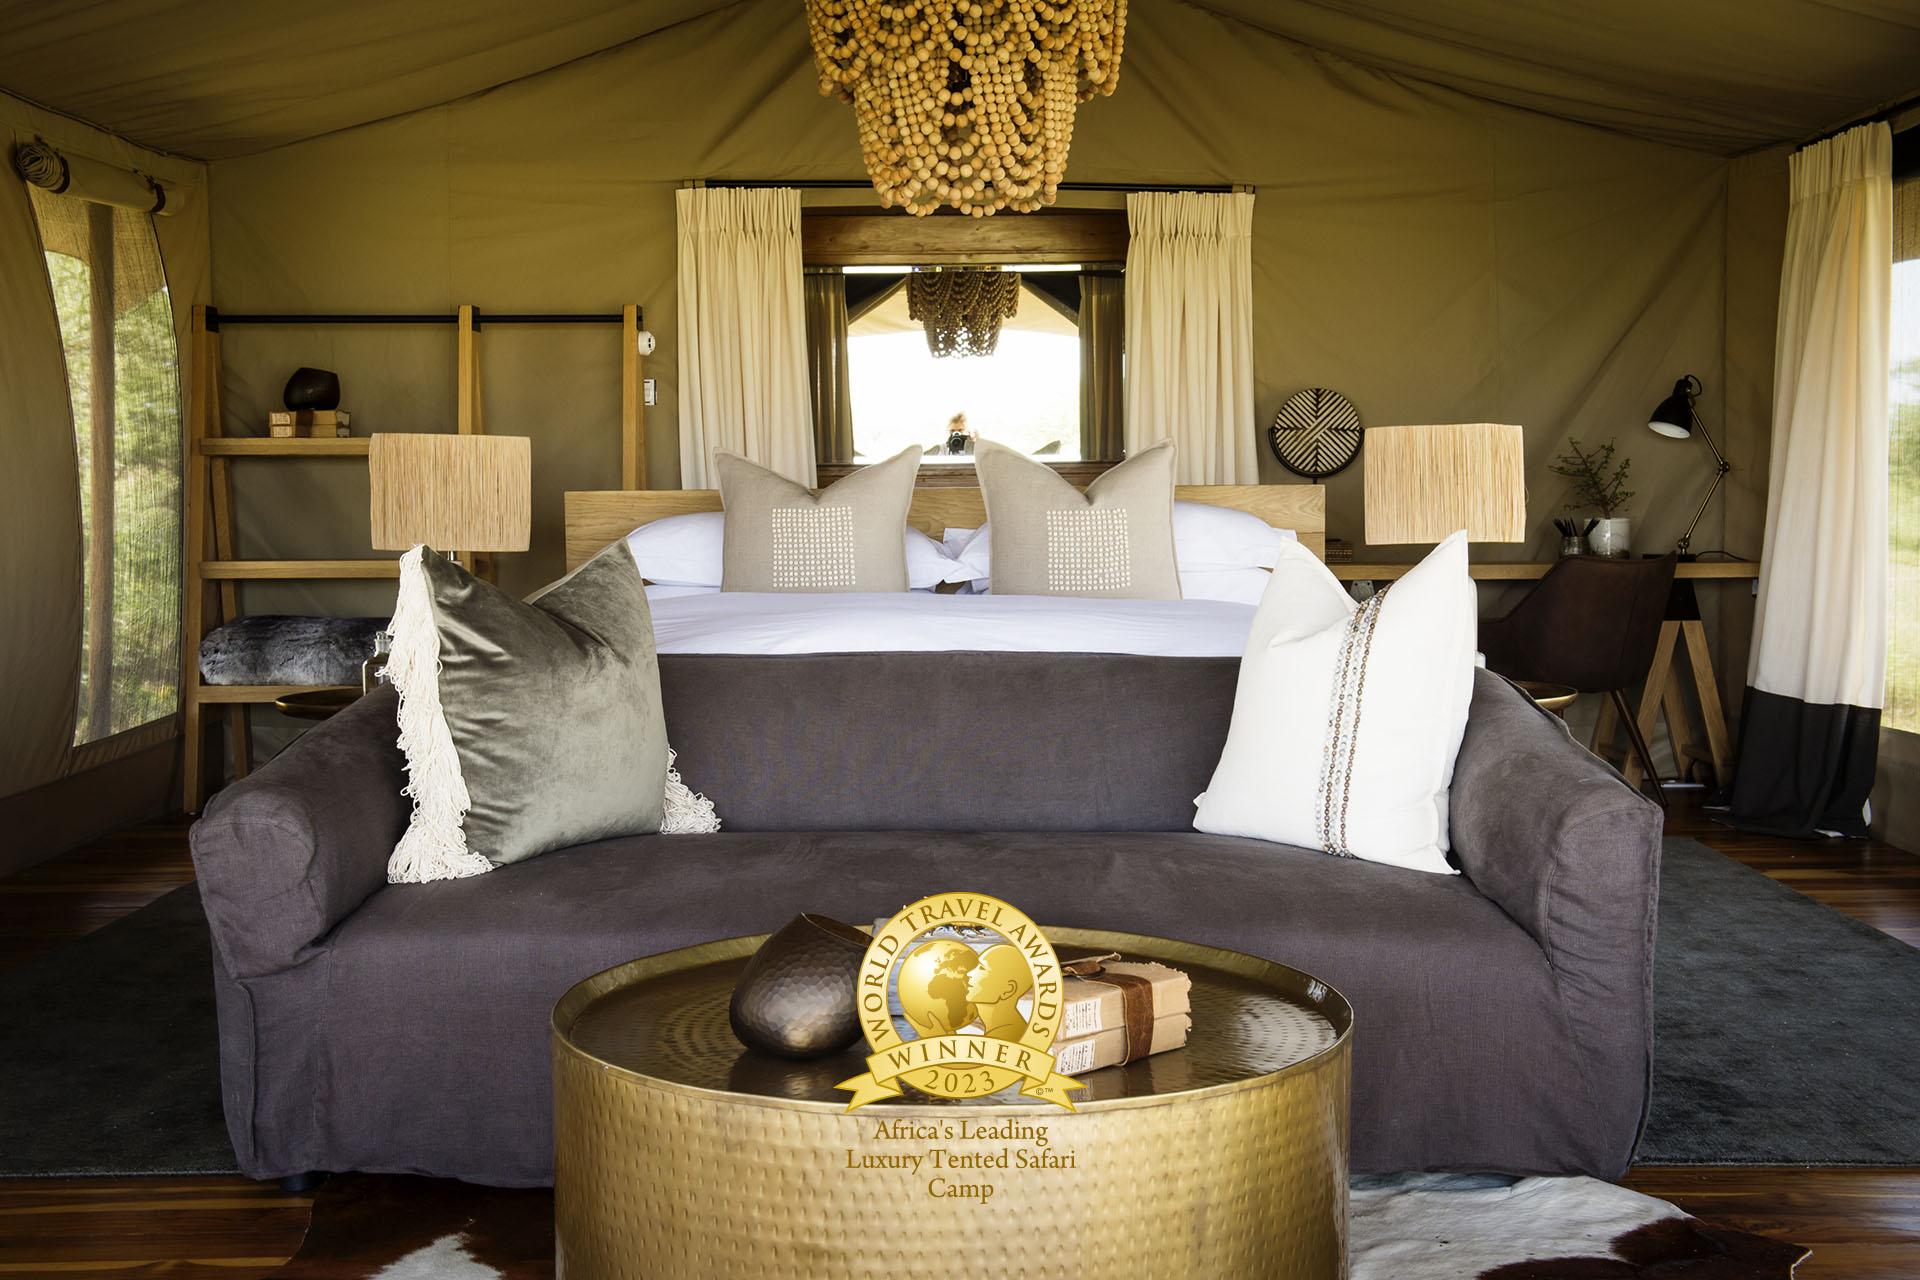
[{"x": 1599, "y": 485}]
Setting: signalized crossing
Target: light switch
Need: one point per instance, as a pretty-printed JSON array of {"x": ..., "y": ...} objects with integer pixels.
[{"x": 647, "y": 390}]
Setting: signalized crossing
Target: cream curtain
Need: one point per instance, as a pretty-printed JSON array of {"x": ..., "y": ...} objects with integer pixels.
[
  {"x": 1102, "y": 357},
  {"x": 1189, "y": 300},
  {"x": 743, "y": 332},
  {"x": 827, "y": 372},
  {"x": 1818, "y": 669}
]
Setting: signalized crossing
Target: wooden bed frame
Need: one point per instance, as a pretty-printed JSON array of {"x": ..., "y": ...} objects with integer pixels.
[{"x": 597, "y": 517}]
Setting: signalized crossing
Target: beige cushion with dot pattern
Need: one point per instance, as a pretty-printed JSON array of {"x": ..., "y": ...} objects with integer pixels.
[
  {"x": 781, "y": 536},
  {"x": 1049, "y": 539}
]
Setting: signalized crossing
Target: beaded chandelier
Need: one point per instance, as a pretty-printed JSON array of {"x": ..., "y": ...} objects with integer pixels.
[
  {"x": 967, "y": 104},
  {"x": 961, "y": 309}
]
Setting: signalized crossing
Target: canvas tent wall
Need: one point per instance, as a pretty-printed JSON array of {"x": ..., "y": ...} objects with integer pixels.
[
  {"x": 1434, "y": 256},
  {"x": 1520, "y": 214}
]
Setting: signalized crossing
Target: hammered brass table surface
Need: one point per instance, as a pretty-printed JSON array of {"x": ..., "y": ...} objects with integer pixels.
[{"x": 679, "y": 1152}]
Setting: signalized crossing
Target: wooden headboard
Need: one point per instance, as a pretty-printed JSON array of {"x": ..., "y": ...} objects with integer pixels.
[{"x": 597, "y": 517}]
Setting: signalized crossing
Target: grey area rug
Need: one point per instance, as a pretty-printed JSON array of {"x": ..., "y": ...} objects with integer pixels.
[
  {"x": 1786, "y": 1034},
  {"x": 108, "y": 1060}
]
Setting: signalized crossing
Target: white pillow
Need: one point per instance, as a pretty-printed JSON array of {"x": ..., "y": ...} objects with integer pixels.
[
  {"x": 928, "y": 564},
  {"x": 1347, "y": 718},
  {"x": 1237, "y": 586},
  {"x": 1205, "y": 537},
  {"x": 680, "y": 551},
  {"x": 971, "y": 551},
  {"x": 1210, "y": 537},
  {"x": 688, "y": 551}
]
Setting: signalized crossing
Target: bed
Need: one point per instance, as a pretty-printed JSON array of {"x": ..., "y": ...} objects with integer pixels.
[
  {"x": 596, "y": 517},
  {"x": 914, "y": 621}
]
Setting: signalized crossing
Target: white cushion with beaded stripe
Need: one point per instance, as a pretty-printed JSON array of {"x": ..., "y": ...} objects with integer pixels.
[{"x": 1347, "y": 719}]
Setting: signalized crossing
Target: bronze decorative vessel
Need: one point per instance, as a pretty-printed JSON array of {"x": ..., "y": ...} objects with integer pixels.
[{"x": 796, "y": 997}]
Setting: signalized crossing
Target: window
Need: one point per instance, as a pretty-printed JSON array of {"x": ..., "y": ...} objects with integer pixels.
[
  {"x": 1025, "y": 395},
  {"x": 1053, "y": 385},
  {"x": 1903, "y": 466},
  {"x": 123, "y": 379},
  {"x": 1049, "y": 388}
]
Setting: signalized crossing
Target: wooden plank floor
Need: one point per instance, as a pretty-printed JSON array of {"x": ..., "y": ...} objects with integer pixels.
[
  {"x": 97, "y": 1228},
  {"x": 1863, "y": 1224}
]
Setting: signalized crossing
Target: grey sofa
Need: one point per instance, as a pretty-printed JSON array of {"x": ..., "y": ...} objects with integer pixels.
[{"x": 1504, "y": 1016}]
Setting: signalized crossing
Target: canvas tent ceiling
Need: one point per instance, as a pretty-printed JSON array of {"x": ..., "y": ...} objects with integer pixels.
[{"x": 218, "y": 80}]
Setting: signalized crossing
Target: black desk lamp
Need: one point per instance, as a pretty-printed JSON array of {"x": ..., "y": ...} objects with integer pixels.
[{"x": 1675, "y": 417}]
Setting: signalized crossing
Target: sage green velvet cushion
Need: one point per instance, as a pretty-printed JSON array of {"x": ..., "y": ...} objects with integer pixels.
[
  {"x": 1049, "y": 539},
  {"x": 782, "y": 536},
  {"x": 527, "y": 725}
]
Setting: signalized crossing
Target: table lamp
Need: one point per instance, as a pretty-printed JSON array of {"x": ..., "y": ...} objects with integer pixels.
[
  {"x": 459, "y": 494},
  {"x": 1423, "y": 483},
  {"x": 1675, "y": 417}
]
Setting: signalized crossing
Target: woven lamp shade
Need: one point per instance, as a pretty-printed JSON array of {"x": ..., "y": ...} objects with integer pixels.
[
  {"x": 454, "y": 493},
  {"x": 1422, "y": 483}
]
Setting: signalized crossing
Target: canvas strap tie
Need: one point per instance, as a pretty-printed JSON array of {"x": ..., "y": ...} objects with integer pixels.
[{"x": 1136, "y": 1000}]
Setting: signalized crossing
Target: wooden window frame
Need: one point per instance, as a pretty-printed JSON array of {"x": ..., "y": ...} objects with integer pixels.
[{"x": 832, "y": 237}]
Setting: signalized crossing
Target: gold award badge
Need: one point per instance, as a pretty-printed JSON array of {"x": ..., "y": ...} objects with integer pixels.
[{"x": 982, "y": 1019}]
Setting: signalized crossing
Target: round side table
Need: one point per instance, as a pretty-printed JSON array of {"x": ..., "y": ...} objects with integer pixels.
[
  {"x": 1548, "y": 696},
  {"x": 317, "y": 704},
  {"x": 677, "y": 1152}
]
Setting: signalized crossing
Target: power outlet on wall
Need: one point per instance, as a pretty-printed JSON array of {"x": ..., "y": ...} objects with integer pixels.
[{"x": 647, "y": 390}]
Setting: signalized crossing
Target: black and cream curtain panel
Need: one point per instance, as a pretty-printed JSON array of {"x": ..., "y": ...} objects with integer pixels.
[{"x": 1816, "y": 679}]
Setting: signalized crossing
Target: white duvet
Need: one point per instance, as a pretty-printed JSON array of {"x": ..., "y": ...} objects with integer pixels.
[{"x": 885, "y": 622}]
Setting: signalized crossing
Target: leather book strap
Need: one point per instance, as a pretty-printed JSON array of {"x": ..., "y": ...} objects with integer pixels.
[{"x": 1136, "y": 1010}]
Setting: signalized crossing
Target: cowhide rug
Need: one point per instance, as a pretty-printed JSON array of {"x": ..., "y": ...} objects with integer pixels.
[{"x": 1409, "y": 1227}]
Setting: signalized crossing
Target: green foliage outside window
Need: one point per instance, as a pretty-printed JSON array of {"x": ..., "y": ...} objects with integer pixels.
[{"x": 145, "y": 616}]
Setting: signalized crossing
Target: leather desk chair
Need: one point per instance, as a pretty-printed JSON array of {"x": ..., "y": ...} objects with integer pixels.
[{"x": 1592, "y": 623}]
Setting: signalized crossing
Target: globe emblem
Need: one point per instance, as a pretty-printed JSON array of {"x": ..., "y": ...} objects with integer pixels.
[{"x": 932, "y": 981}]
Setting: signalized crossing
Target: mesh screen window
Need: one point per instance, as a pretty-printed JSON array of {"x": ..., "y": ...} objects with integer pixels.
[{"x": 123, "y": 376}]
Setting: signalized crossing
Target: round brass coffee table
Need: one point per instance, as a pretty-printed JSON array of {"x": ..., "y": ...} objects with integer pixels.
[{"x": 678, "y": 1152}]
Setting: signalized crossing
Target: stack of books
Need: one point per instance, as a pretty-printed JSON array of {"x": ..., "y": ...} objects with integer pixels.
[
  {"x": 1127, "y": 1010},
  {"x": 299, "y": 424},
  {"x": 1339, "y": 551},
  {"x": 1115, "y": 1010}
]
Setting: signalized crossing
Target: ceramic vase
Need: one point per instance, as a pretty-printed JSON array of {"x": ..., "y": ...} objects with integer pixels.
[
  {"x": 1609, "y": 537},
  {"x": 795, "y": 998}
]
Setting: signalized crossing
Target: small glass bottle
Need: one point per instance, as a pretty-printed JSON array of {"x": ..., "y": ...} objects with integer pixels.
[{"x": 374, "y": 669}]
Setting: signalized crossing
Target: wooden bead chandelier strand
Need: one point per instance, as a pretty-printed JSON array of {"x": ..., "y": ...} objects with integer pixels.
[
  {"x": 968, "y": 105},
  {"x": 962, "y": 310}
]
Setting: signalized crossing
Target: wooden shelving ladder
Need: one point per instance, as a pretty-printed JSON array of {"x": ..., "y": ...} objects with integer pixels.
[{"x": 211, "y": 580}]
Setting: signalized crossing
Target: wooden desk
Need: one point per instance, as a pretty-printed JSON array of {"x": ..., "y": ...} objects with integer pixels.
[
  {"x": 1529, "y": 570},
  {"x": 1661, "y": 694}
]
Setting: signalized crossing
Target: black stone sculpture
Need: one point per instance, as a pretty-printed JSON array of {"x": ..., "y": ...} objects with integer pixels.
[{"x": 312, "y": 389}]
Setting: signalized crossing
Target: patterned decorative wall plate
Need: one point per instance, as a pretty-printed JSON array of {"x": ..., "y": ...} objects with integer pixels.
[{"x": 1316, "y": 433}]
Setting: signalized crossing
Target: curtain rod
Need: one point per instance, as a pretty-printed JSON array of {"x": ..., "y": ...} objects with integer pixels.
[
  {"x": 1886, "y": 113},
  {"x": 833, "y": 184},
  {"x": 216, "y": 318}
]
